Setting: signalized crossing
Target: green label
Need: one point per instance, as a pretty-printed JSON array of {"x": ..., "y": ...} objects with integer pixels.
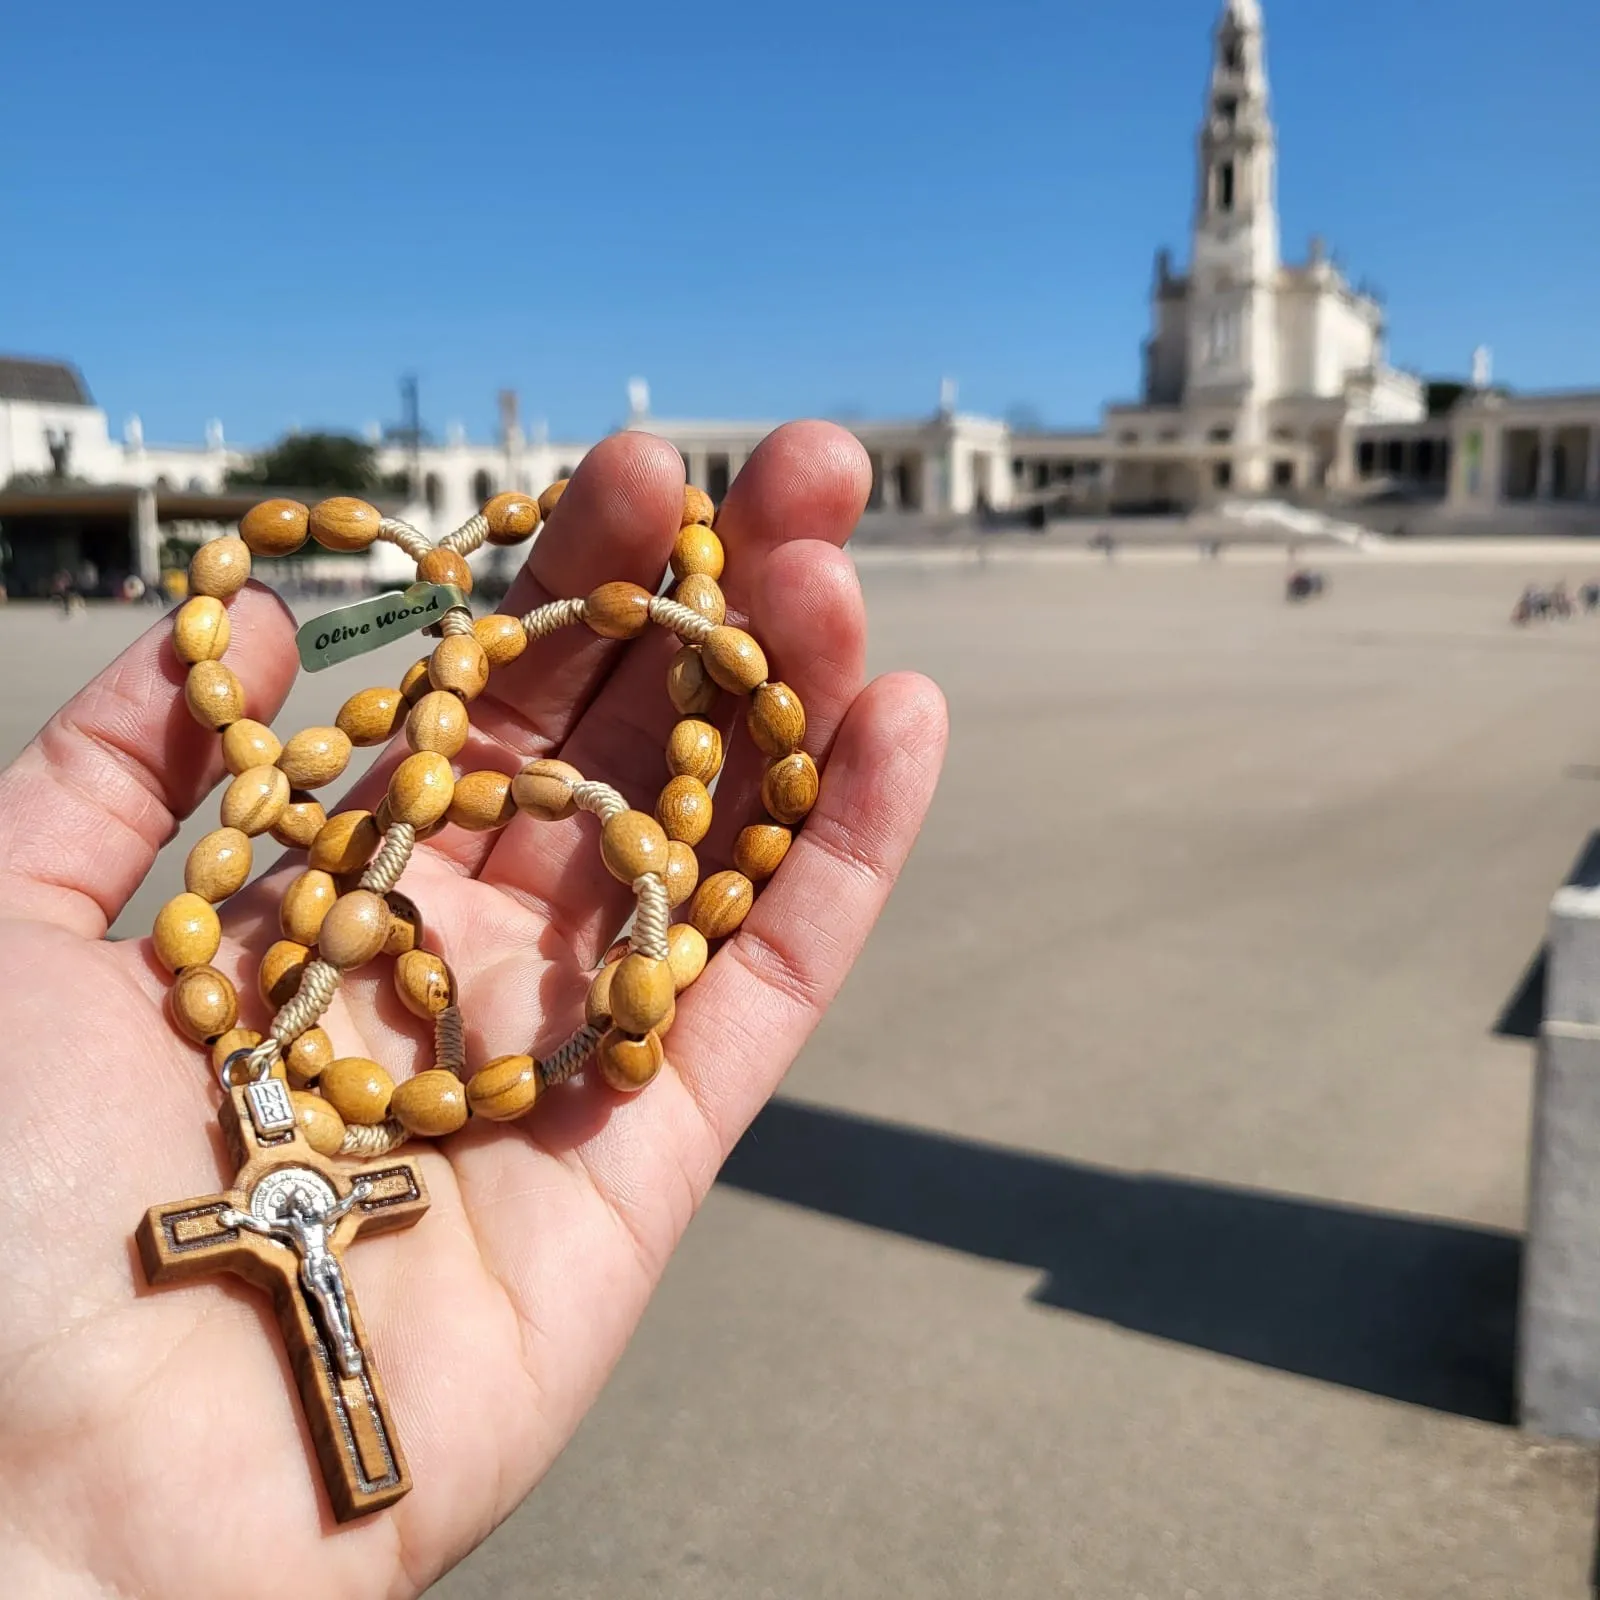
[{"x": 371, "y": 624}]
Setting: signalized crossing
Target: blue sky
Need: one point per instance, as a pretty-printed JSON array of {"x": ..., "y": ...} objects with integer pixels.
[{"x": 268, "y": 213}]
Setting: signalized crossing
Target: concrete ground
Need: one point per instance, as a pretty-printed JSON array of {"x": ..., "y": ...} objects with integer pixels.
[{"x": 1143, "y": 1219}]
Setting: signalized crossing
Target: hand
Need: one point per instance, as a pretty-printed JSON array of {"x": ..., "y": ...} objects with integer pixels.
[{"x": 151, "y": 1440}]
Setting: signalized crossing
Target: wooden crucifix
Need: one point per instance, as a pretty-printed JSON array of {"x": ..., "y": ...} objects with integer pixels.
[{"x": 283, "y": 1226}]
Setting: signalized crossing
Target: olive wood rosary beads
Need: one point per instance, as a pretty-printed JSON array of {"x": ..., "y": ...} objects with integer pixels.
[{"x": 290, "y": 1105}]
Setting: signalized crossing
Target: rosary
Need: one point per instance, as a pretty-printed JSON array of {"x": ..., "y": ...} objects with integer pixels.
[{"x": 290, "y": 1109}]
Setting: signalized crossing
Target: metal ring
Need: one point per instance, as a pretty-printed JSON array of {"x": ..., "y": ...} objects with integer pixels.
[{"x": 260, "y": 1059}]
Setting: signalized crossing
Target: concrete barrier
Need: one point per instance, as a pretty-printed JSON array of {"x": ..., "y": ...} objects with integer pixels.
[{"x": 1558, "y": 1334}]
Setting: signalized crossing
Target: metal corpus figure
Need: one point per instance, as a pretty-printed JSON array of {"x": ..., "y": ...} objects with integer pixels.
[{"x": 304, "y": 1224}]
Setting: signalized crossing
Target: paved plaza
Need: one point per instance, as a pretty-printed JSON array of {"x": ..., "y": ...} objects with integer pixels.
[{"x": 1143, "y": 1221}]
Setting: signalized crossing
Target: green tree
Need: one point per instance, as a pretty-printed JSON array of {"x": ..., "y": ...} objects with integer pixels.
[{"x": 338, "y": 463}]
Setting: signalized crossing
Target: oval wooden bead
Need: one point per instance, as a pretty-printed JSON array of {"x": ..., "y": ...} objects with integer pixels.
[
  {"x": 187, "y": 933},
  {"x": 344, "y": 523},
  {"x": 618, "y": 610},
  {"x": 551, "y": 498},
  {"x": 354, "y": 929},
  {"x": 420, "y": 790},
  {"x": 249, "y": 744},
  {"x": 789, "y": 788},
  {"x": 460, "y": 665},
  {"x": 307, "y": 1056},
  {"x": 482, "y": 800},
  {"x": 544, "y": 789},
  {"x": 203, "y": 1003},
  {"x": 315, "y": 756},
  {"x": 682, "y": 872},
  {"x": 230, "y": 1043},
  {"x": 302, "y": 820},
  {"x": 511, "y": 517},
  {"x": 358, "y": 1089},
  {"x": 307, "y": 900},
  {"x": 697, "y": 550},
  {"x": 220, "y": 568},
  {"x": 432, "y": 1104},
  {"x": 687, "y": 954},
  {"x": 721, "y": 903},
  {"x": 321, "y": 1125},
  {"x": 438, "y": 722},
  {"x": 405, "y": 924},
  {"x": 698, "y": 506},
  {"x": 218, "y": 865},
  {"x": 281, "y": 970},
  {"x": 255, "y": 800},
  {"x": 701, "y": 593},
  {"x": 372, "y": 716},
  {"x": 214, "y": 695},
  {"x": 445, "y": 566},
  {"x": 734, "y": 659},
  {"x": 641, "y": 993},
  {"x": 629, "y": 1064},
  {"x": 683, "y": 809},
  {"x": 776, "y": 719},
  {"x": 759, "y": 850},
  {"x": 597, "y": 1002},
  {"x": 416, "y": 682},
  {"x": 504, "y": 1088},
  {"x": 689, "y": 685},
  {"x": 424, "y": 983},
  {"x": 275, "y": 527},
  {"x": 503, "y": 638},
  {"x": 345, "y": 843},
  {"x": 694, "y": 750},
  {"x": 200, "y": 630},
  {"x": 632, "y": 844}
]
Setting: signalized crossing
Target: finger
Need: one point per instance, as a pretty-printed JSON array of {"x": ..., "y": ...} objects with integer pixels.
[
  {"x": 805, "y": 480},
  {"x": 809, "y": 614},
  {"x": 103, "y": 785},
  {"x": 767, "y": 987},
  {"x": 621, "y": 737},
  {"x": 616, "y": 520},
  {"x": 652, "y": 1157}
]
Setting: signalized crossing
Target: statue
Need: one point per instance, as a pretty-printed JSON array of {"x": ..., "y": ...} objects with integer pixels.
[
  {"x": 304, "y": 1224},
  {"x": 1482, "y": 367}
]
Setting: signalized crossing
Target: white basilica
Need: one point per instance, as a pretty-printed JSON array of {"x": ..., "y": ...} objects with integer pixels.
[{"x": 1262, "y": 379}]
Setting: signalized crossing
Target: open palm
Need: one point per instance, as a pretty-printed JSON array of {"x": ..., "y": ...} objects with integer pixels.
[{"x": 151, "y": 1441}]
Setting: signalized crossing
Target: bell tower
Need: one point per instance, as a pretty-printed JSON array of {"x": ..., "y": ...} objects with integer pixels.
[{"x": 1233, "y": 319}]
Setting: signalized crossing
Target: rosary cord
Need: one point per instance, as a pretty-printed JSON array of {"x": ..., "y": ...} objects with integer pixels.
[
  {"x": 565, "y": 1062},
  {"x": 468, "y": 537},
  {"x": 450, "y": 1041},
  {"x": 383, "y": 872},
  {"x": 373, "y": 1138},
  {"x": 650, "y": 922},
  {"x": 413, "y": 541},
  {"x": 314, "y": 996},
  {"x": 599, "y": 798},
  {"x": 683, "y": 620},
  {"x": 546, "y": 619},
  {"x": 457, "y": 620}
]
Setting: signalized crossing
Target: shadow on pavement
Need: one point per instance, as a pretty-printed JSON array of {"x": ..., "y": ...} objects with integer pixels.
[{"x": 1406, "y": 1307}]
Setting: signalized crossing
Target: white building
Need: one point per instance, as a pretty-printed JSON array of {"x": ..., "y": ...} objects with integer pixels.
[{"x": 1261, "y": 377}]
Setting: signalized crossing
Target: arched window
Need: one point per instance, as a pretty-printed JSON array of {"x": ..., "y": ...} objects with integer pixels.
[
  {"x": 482, "y": 487},
  {"x": 433, "y": 491}
]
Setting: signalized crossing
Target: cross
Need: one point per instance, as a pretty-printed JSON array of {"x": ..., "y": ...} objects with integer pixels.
[{"x": 283, "y": 1226}]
